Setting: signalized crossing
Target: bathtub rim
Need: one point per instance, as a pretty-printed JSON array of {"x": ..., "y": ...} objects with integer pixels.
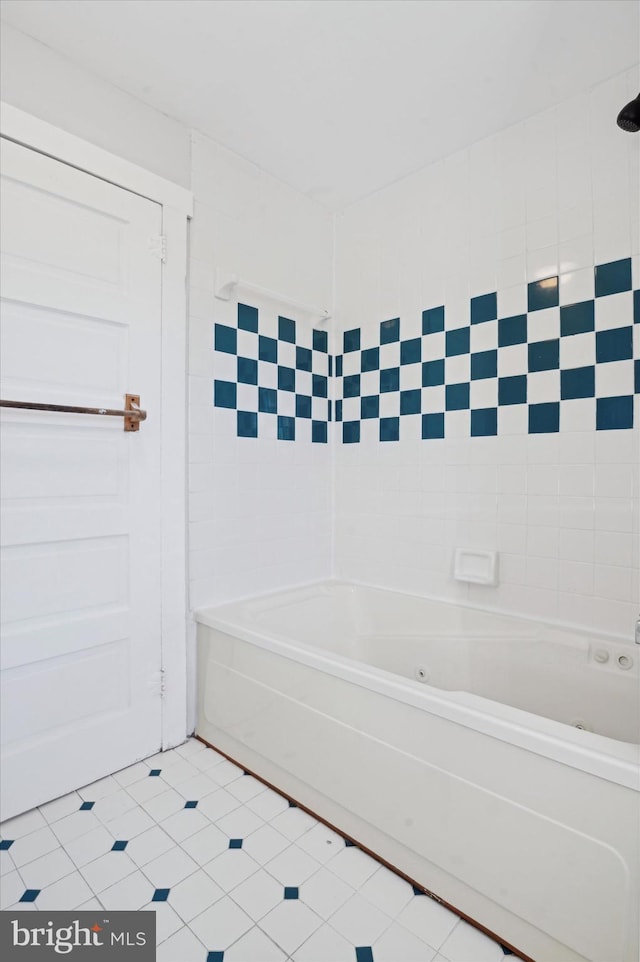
[{"x": 604, "y": 757}]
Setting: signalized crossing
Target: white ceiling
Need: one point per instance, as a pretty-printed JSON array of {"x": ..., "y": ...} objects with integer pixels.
[{"x": 338, "y": 98}]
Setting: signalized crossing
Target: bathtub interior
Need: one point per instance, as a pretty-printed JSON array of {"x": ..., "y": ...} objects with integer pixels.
[{"x": 585, "y": 680}]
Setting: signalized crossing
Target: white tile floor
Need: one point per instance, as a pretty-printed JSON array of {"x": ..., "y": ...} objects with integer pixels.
[{"x": 233, "y": 871}]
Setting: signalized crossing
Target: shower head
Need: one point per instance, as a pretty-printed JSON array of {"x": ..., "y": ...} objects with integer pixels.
[{"x": 629, "y": 116}]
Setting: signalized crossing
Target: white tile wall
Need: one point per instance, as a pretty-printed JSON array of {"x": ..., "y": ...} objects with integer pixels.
[{"x": 556, "y": 193}]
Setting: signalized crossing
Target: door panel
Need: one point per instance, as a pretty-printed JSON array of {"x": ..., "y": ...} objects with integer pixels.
[{"x": 80, "y": 533}]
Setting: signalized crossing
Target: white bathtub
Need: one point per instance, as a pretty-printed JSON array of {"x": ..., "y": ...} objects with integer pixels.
[{"x": 442, "y": 738}]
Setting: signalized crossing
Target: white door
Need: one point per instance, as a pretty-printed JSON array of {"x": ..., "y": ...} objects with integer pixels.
[{"x": 80, "y": 603}]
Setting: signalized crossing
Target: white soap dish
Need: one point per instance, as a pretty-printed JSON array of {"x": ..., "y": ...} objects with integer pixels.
[{"x": 476, "y": 566}]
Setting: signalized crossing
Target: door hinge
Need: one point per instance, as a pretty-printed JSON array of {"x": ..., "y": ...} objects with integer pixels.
[
  {"x": 158, "y": 246},
  {"x": 163, "y": 682},
  {"x": 157, "y": 683}
]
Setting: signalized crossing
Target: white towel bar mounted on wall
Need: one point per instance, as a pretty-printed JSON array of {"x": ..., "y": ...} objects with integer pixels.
[{"x": 227, "y": 283}]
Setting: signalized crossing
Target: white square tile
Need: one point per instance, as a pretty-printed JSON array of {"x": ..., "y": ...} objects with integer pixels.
[
  {"x": 68, "y": 893},
  {"x": 614, "y": 378},
  {"x": 114, "y": 805},
  {"x": 321, "y": 843},
  {"x": 543, "y": 325},
  {"x": 513, "y": 360},
  {"x": 90, "y": 846},
  {"x": 577, "y": 350},
  {"x": 194, "y": 894},
  {"x": 90, "y": 906},
  {"x": 100, "y": 789},
  {"x": 147, "y": 788},
  {"x": 226, "y": 771},
  {"x": 483, "y": 337},
  {"x": 265, "y": 843},
  {"x": 360, "y": 921},
  {"x": 75, "y": 825},
  {"x": 268, "y": 804},
  {"x": 206, "y": 844},
  {"x": 152, "y": 843},
  {"x": 230, "y": 868},
  {"x": 170, "y": 868},
  {"x": 166, "y": 759},
  {"x": 512, "y": 300},
  {"x": 457, "y": 369},
  {"x": 107, "y": 870},
  {"x": 324, "y": 892},
  {"x": 390, "y": 353},
  {"x": 483, "y": 393},
  {"x": 427, "y": 919},
  {"x": 167, "y": 921},
  {"x": 576, "y": 253},
  {"x": 182, "y": 946},
  {"x": 221, "y": 925},
  {"x": 468, "y": 944},
  {"x": 134, "y": 773},
  {"x": 267, "y": 377},
  {"x": 239, "y": 823},
  {"x": 11, "y": 889},
  {"x": 6, "y": 863},
  {"x": 47, "y": 869},
  {"x": 209, "y": 758},
  {"x": 387, "y": 890},
  {"x": 60, "y": 807},
  {"x": 293, "y": 866},
  {"x": 184, "y": 823},
  {"x": 410, "y": 377},
  {"x": 578, "y": 414},
  {"x": 130, "y": 824},
  {"x": 543, "y": 386},
  {"x": 258, "y": 894},
  {"x": 353, "y": 866},
  {"x": 255, "y": 946},
  {"x": 389, "y": 405},
  {"x": 325, "y": 945},
  {"x": 130, "y": 893},
  {"x": 163, "y": 805},
  {"x": 577, "y": 286},
  {"x": 246, "y": 788},
  {"x": 218, "y": 804},
  {"x": 34, "y": 845},
  {"x": 397, "y": 944},
  {"x": 433, "y": 399},
  {"x": 172, "y": 775},
  {"x": 290, "y": 923}
]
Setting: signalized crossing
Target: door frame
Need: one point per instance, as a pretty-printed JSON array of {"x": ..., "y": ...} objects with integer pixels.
[{"x": 177, "y": 208}]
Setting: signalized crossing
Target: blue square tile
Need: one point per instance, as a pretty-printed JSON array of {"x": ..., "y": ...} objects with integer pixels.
[
  {"x": 370, "y": 406},
  {"x": 319, "y": 432},
  {"x": 544, "y": 355},
  {"x": 215, "y": 957},
  {"x": 224, "y": 394},
  {"x": 303, "y": 359},
  {"x": 484, "y": 308},
  {"x": 364, "y": 953},
  {"x": 248, "y": 318},
  {"x": 542, "y": 294},
  {"x": 330, "y": 365},
  {"x": 225, "y": 339},
  {"x": 512, "y": 330},
  {"x": 411, "y": 351},
  {"x": 6, "y": 844},
  {"x": 303, "y": 406},
  {"x": 286, "y": 330},
  {"x": 484, "y": 364},
  {"x": 267, "y": 400},
  {"x": 247, "y": 424},
  {"x": 351, "y": 385},
  {"x": 613, "y": 277},
  {"x": 636, "y": 307},
  {"x": 432, "y": 372},
  {"x": 286, "y": 378},
  {"x": 614, "y": 345},
  {"x": 578, "y": 382},
  {"x": 320, "y": 341},
  {"x": 29, "y": 895},
  {"x": 544, "y": 418},
  {"x": 614, "y": 413},
  {"x": 191, "y": 804},
  {"x": 247, "y": 370},
  {"x": 235, "y": 842},
  {"x": 390, "y": 331},
  {"x": 433, "y": 320},
  {"x": 410, "y": 401},
  {"x": 370, "y": 359},
  {"x": 319, "y": 385},
  {"x": 291, "y": 892},
  {"x": 87, "y": 806},
  {"x": 389, "y": 380},
  {"x": 268, "y": 349},
  {"x": 636, "y": 377},
  {"x": 350, "y": 432},
  {"x": 577, "y": 318},
  {"x": 457, "y": 397},
  {"x": 329, "y": 409},
  {"x": 338, "y": 365},
  {"x": 484, "y": 422},
  {"x": 351, "y": 341},
  {"x": 457, "y": 342},
  {"x": 512, "y": 390},
  {"x": 389, "y": 429},
  {"x": 119, "y": 846},
  {"x": 286, "y": 428},
  {"x": 338, "y": 410}
]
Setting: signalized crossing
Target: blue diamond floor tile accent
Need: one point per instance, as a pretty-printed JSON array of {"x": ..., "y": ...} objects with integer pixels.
[
  {"x": 364, "y": 953},
  {"x": 191, "y": 804},
  {"x": 349, "y": 844},
  {"x": 29, "y": 895},
  {"x": 291, "y": 892},
  {"x": 235, "y": 843},
  {"x": 613, "y": 277},
  {"x": 215, "y": 957},
  {"x": 292, "y": 804},
  {"x": 417, "y": 891},
  {"x": 119, "y": 845},
  {"x": 505, "y": 950},
  {"x": 155, "y": 771},
  {"x": 160, "y": 895},
  {"x": 6, "y": 843},
  {"x": 87, "y": 806}
]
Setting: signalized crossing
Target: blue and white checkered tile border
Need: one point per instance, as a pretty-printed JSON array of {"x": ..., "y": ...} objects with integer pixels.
[
  {"x": 554, "y": 367},
  {"x": 280, "y": 379}
]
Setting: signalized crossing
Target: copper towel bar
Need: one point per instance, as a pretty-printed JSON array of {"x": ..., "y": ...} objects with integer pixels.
[{"x": 132, "y": 412}]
